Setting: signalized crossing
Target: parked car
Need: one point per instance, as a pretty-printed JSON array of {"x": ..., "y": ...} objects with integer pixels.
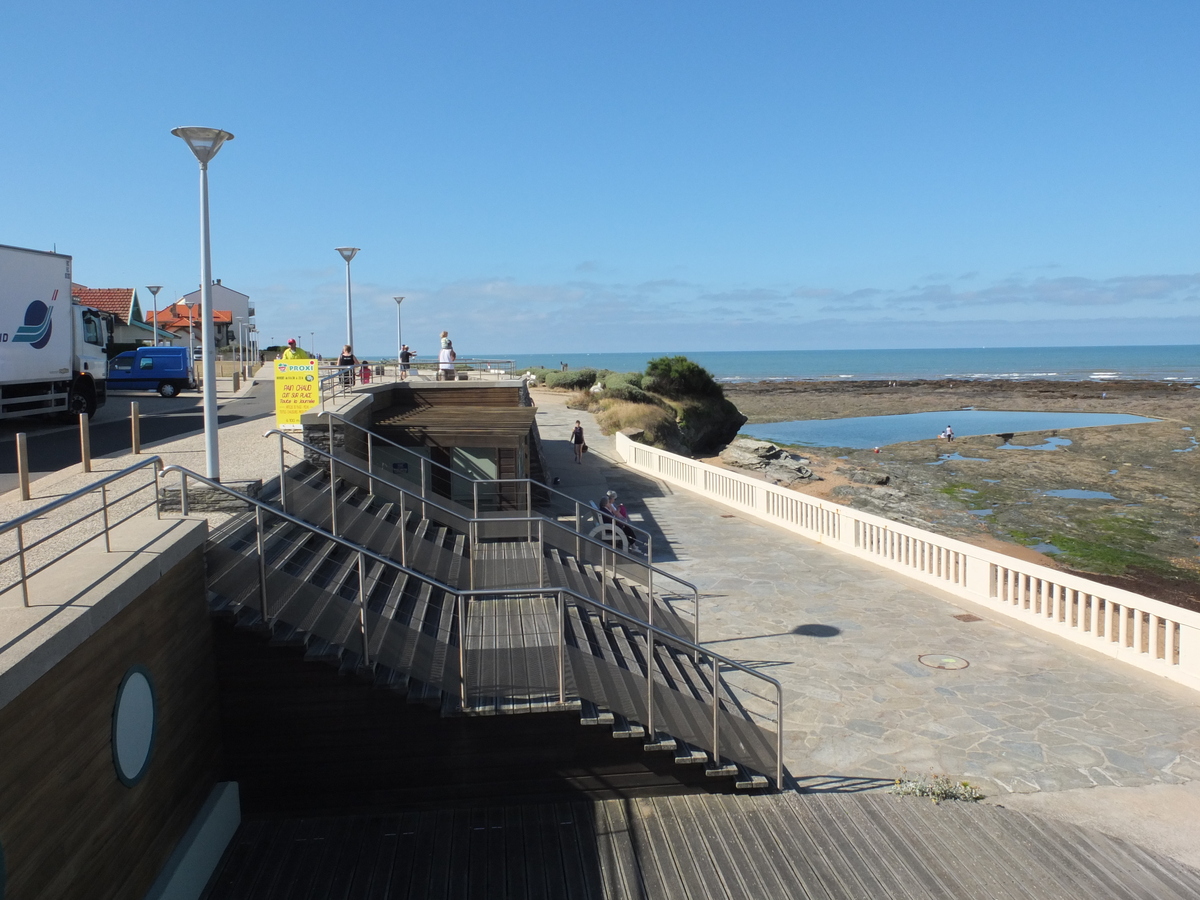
[{"x": 163, "y": 369}]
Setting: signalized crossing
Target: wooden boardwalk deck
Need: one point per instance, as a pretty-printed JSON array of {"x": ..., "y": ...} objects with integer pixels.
[{"x": 708, "y": 847}]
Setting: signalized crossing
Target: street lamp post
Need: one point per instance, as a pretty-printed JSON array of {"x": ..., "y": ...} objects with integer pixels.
[
  {"x": 204, "y": 144},
  {"x": 312, "y": 344},
  {"x": 154, "y": 289},
  {"x": 347, "y": 255},
  {"x": 399, "y": 335},
  {"x": 241, "y": 356}
]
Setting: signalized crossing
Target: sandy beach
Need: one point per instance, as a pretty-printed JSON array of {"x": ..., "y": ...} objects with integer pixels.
[{"x": 1146, "y": 538}]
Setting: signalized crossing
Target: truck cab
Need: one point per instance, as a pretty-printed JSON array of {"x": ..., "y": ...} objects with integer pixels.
[{"x": 164, "y": 369}]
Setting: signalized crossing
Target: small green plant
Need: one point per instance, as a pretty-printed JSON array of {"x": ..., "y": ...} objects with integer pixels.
[{"x": 936, "y": 787}]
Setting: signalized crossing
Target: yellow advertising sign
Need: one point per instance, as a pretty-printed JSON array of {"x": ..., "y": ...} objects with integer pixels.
[{"x": 296, "y": 391}]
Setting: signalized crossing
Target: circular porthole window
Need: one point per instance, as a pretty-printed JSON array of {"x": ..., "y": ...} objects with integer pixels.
[{"x": 134, "y": 721}]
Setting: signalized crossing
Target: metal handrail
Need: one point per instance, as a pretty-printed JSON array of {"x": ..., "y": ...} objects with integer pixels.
[
  {"x": 262, "y": 508},
  {"x": 529, "y": 483},
  {"x": 101, "y": 485},
  {"x": 472, "y": 523}
]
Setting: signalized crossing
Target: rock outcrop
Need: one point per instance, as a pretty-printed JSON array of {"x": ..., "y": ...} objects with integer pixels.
[{"x": 768, "y": 460}]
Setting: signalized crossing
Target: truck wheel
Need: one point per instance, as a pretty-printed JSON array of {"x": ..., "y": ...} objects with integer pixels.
[
  {"x": 81, "y": 400},
  {"x": 167, "y": 389}
]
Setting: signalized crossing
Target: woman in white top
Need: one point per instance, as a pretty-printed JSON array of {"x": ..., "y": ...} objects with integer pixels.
[{"x": 446, "y": 357}]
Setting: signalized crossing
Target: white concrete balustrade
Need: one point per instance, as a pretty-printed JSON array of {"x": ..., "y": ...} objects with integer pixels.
[{"x": 1141, "y": 631}]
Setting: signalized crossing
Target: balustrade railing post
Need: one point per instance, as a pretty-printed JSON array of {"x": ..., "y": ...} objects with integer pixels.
[
  {"x": 475, "y": 498},
  {"x": 370, "y": 466},
  {"x": 21, "y": 559},
  {"x": 562, "y": 647},
  {"x": 260, "y": 541},
  {"x": 362, "y": 609},
  {"x": 541, "y": 562},
  {"x": 104, "y": 516}
]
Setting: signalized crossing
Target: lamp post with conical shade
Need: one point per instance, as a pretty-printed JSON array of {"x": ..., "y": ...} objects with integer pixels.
[
  {"x": 347, "y": 255},
  {"x": 154, "y": 289},
  {"x": 204, "y": 144}
]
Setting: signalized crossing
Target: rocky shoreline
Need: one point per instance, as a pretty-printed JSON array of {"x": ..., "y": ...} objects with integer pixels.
[{"x": 1143, "y": 535}]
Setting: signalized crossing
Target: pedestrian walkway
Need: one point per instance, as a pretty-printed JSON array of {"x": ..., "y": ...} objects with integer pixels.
[{"x": 1028, "y": 714}]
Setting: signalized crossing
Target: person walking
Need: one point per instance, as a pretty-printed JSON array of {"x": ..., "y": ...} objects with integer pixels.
[
  {"x": 347, "y": 363},
  {"x": 295, "y": 352},
  {"x": 578, "y": 442}
]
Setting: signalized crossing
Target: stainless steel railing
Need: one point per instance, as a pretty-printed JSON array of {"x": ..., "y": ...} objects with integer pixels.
[
  {"x": 525, "y": 488},
  {"x": 736, "y": 705},
  {"x": 339, "y": 380},
  {"x": 610, "y": 558},
  {"x": 104, "y": 511}
]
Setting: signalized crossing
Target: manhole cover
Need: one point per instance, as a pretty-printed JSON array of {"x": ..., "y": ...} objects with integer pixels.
[
  {"x": 937, "y": 661},
  {"x": 968, "y": 617}
]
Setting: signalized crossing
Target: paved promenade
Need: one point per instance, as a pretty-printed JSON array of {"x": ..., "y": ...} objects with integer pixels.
[{"x": 1036, "y": 723}]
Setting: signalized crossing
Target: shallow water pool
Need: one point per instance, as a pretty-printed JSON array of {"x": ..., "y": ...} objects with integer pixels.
[{"x": 864, "y": 432}]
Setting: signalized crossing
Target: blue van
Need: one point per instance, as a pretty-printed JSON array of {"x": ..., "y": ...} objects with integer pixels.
[{"x": 162, "y": 369}]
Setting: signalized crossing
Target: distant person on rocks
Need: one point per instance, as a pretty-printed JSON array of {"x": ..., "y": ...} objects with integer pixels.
[
  {"x": 446, "y": 357},
  {"x": 295, "y": 352},
  {"x": 948, "y": 434},
  {"x": 406, "y": 356},
  {"x": 347, "y": 363},
  {"x": 577, "y": 442}
]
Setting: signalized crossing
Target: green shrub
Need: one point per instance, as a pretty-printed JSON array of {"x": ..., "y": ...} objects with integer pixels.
[
  {"x": 573, "y": 380},
  {"x": 678, "y": 377},
  {"x": 540, "y": 372},
  {"x": 614, "y": 380},
  {"x": 627, "y": 392}
]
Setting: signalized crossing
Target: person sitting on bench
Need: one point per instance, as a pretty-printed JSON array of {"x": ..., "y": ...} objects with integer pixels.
[{"x": 610, "y": 514}]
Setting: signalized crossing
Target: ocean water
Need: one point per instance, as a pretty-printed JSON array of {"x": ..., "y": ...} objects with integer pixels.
[
  {"x": 1162, "y": 363},
  {"x": 864, "y": 432}
]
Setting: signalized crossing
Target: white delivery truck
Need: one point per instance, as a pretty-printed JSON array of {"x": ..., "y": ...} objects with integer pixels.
[{"x": 52, "y": 357}]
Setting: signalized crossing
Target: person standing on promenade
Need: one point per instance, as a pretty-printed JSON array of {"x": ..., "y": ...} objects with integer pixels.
[
  {"x": 347, "y": 362},
  {"x": 295, "y": 352},
  {"x": 578, "y": 442},
  {"x": 445, "y": 340},
  {"x": 406, "y": 356},
  {"x": 366, "y": 372},
  {"x": 446, "y": 357}
]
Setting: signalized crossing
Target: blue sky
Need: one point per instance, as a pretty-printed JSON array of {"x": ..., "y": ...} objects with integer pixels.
[{"x": 615, "y": 176}]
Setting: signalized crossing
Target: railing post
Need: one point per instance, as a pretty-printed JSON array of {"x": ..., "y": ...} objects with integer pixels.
[
  {"x": 21, "y": 558},
  {"x": 104, "y": 516},
  {"x": 282, "y": 478},
  {"x": 528, "y": 497},
  {"x": 562, "y": 647},
  {"x": 462, "y": 651},
  {"x": 424, "y": 487},
  {"x": 362, "y": 608},
  {"x": 370, "y": 466},
  {"x": 716, "y": 734},
  {"x": 183, "y": 494},
  {"x": 651, "y": 730},
  {"x": 23, "y": 465},
  {"x": 578, "y": 525},
  {"x": 157, "y": 491},
  {"x": 473, "y": 540},
  {"x": 403, "y": 531},
  {"x": 778, "y": 736},
  {"x": 541, "y": 561},
  {"x": 475, "y": 498},
  {"x": 85, "y": 443},
  {"x": 135, "y": 426},
  {"x": 260, "y": 540},
  {"x": 332, "y": 497}
]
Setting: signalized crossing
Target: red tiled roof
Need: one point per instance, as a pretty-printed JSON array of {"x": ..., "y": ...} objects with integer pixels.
[
  {"x": 176, "y": 316},
  {"x": 117, "y": 301}
]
